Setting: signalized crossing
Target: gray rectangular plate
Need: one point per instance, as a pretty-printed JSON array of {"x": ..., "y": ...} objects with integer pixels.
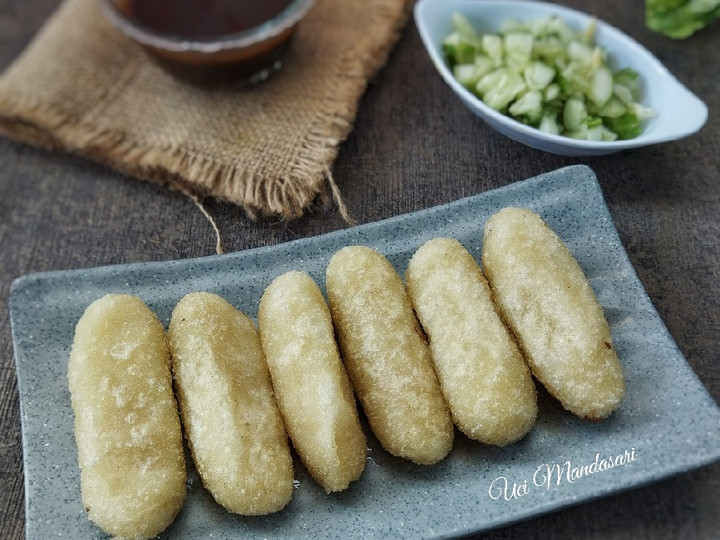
[{"x": 667, "y": 424}]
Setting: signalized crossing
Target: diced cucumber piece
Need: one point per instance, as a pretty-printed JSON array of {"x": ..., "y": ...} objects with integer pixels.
[
  {"x": 552, "y": 26},
  {"x": 579, "y": 134},
  {"x": 464, "y": 27},
  {"x": 595, "y": 133},
  {"x": 457, "y": 50},
  {"x": 613, "y": 108},
  {"x": 463, "y": 43},
  {"x": 630, "y": 79},
  {"x": 578, "y": 77},
  {"x": 549, "y": 124},
  {"x": 484, "y": 63},
  {"x": 489, "y": 80},
  {"x": 588, "y": 36},
  {"x": 591, "y": 129},
  {"x": 493, "y": 47},
  {"x": 469, "y": 74},
  {"x": 579, "y": 52},
  {"x": 552, "y": 92},
  {"x": 608, "y": 135},
  {"x": 466, "y": 74},
  {"x": 565, "y": 86},
  {"x": 574, "y": 113},
  {"x": 529, "y": 105},
  {"x": 450, "y": 43},
  {"x": 541, "y": 26},
  {"x": 500, "y": 87},
  {"x": 538, "y": 75},
  {"x": 642, "y": 112},
  {"x": 601, "y": 87},
  {"x": 623, "y": 93},
  {"x": 548, "y": 47},
  {"x": 518, "y": 50}
]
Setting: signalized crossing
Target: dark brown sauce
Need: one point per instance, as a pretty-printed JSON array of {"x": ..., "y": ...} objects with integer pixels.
[{"x": 201, "y": 18}]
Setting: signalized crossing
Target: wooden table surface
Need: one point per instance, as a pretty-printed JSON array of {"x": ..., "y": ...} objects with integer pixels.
[{"x": 413, "y": 146}]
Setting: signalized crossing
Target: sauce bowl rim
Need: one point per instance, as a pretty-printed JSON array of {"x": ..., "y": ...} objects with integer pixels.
[{"x": 273, "y": 27}]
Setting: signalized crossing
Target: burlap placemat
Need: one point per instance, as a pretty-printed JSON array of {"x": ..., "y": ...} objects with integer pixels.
[{"x": 83, "y": 87}]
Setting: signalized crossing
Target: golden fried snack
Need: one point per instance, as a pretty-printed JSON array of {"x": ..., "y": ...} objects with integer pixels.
[
  {"x": 231, "y": 420},
  {"x": 127, "y": 428},
  {"x": 549, "y": 305},
  {"x": 387, "y": 357},
  {"x": 312, "y": 388},
  {"x": 483, "y": 376}
]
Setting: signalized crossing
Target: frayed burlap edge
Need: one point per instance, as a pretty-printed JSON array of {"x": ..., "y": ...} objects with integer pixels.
[{"x": 288, "y": 197}]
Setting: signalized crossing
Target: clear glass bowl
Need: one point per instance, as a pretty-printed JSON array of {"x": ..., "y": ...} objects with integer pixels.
[{"x": 249, "y": 55}]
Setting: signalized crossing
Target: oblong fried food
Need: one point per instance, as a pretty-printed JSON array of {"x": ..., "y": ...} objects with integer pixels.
[
  {"x": 127, "y": 428},
  {"x": 386, "y": 356},
  {"x": 310, "y": 382},
  {"x": 228, "y": 410},
  {"x": 483, "y": 375},
  {"x": 548, "y": 303}
]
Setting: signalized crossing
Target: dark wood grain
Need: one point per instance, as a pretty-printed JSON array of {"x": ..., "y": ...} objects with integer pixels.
[{"x": 413, "y": 146}]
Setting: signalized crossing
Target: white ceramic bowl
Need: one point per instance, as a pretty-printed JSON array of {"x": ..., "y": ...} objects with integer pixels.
[{"x": 678, "y": 112}]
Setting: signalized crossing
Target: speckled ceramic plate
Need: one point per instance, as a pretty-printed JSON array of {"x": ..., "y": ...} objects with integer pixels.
[{"x": 667, "y": 424}]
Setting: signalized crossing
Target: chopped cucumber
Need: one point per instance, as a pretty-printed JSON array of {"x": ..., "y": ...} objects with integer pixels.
[
  {"x": 613, "y": 108},
  {"x": 601, "y": 86},
  {"x": 574, "y": 114},
  {"x": 594, "y": 133},
  {"x": 464, "y": 28},
  {"x": 628, "y": 78},
  {"x": 458, "y": 50},
  {"x": 642, "y": 112},
  {"x": 529, "y": 105},
  {"x": 500, "y": 87},
  {"x": 579, "y": 52},
  {"x": 518, "y": 49},
  {"x": 549, "y": 124},
  {"x": 546, "y": 75},
  {"x": 493, "y": 47},
  {"x": 470, "y": 74},
  {"x": 552, "y": 92},
  {"x": 466, "y": 74},
  {"x": 538, "y": 75},
  {"x": 623, "y": 92}
]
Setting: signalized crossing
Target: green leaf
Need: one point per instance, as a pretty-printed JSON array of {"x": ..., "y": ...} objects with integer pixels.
[{"x": 679, "y": 19}]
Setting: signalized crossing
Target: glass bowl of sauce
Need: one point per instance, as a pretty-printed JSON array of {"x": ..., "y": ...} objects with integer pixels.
[{"x": 211, "y": 40}]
